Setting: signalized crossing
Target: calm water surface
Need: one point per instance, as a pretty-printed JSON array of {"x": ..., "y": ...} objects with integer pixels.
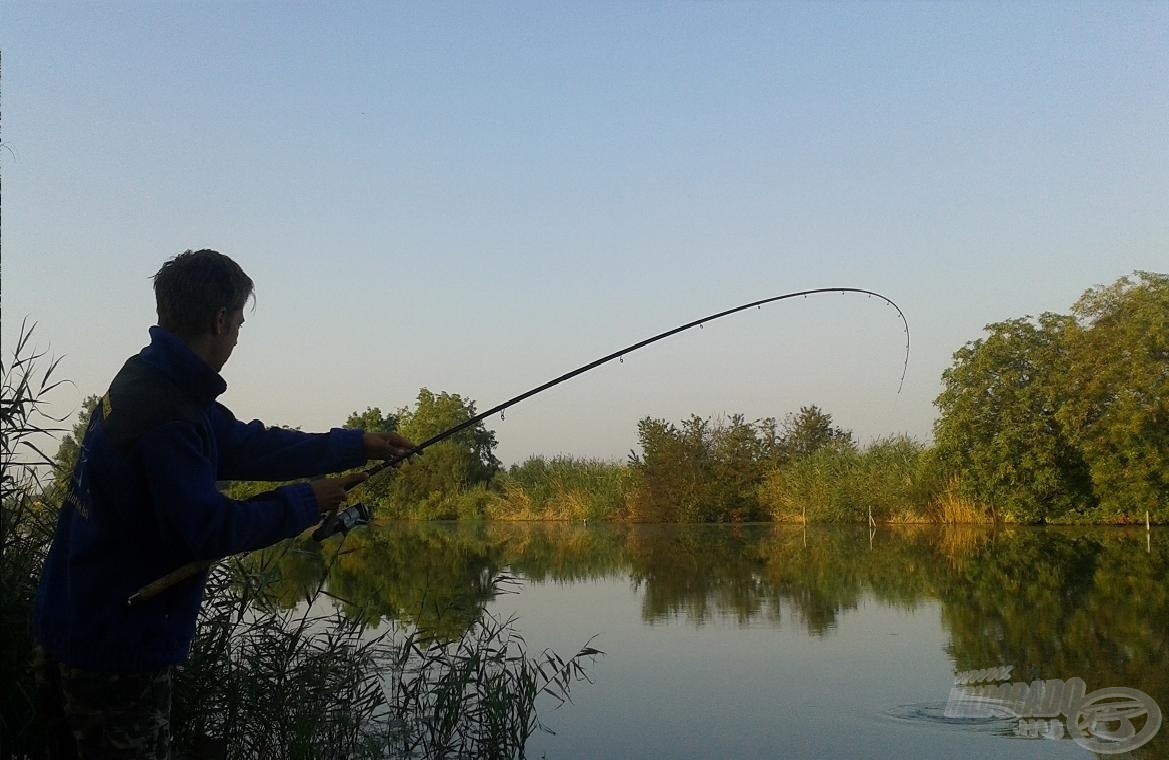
[{"x": 776, "y": 642}]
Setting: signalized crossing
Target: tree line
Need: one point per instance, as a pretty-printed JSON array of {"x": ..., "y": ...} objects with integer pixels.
[{"x": 1059, "y": 418}]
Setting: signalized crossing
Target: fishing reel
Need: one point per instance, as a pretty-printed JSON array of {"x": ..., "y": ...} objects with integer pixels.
[{"x": 343, "y": 522}]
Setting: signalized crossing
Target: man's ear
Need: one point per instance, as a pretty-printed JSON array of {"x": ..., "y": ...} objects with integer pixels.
[{"x": 219, "y": 327}]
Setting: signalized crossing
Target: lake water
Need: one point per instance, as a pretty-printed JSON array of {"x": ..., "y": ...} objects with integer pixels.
[{"x": 767, "y": 641}]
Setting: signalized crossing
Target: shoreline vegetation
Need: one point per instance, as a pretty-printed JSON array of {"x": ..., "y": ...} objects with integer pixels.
[
  {"x": 1059, "y": 419},
  {"x": 833, "y": 489}
]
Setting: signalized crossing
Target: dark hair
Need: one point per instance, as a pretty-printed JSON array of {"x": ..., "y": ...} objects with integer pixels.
[{"x": 191, "y": 288}]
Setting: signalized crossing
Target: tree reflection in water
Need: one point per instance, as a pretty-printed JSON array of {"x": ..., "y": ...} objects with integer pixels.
[{"x": 1054, "y": 603}]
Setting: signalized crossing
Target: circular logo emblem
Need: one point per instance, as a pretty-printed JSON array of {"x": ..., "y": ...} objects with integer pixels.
[{"x": 1104, "y": 721}]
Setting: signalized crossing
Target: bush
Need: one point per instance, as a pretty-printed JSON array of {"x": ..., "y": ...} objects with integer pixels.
[
  {"x": 562, "y": 488},
  {"x": 700, "y": 471}
]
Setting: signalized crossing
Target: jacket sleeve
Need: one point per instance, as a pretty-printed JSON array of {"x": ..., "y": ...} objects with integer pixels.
[
  {"x": 193, "y": 515},
  {"x": 254, "y": 452}
]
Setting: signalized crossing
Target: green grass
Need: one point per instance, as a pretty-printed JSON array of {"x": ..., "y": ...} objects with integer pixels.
[
  {"x": 562, "y": 488},
  {"x": 892, "y": 480}
]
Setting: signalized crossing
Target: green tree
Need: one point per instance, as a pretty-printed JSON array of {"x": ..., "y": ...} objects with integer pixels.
[
  {"x": 699, "y": 471},
  {"x": 739, "y": 452},
  {"x": 1116, "y": 398},
  {"x": 998, "y": 428},
  {"x": 372, "y": 420},
  {"x": 438, "y": 475},
  {"x": 811, "y": 430},
  {"x": 672, "y": 469}
]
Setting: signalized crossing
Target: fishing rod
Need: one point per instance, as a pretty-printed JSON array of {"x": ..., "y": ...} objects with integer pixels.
[{"x": 359, "y": 514}]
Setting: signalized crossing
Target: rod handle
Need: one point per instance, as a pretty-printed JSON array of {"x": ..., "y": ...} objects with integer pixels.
[{"x": 154, "y": 588}]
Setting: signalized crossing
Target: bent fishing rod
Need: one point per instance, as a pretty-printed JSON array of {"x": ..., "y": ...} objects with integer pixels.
[{"x": 359, "y": 514}]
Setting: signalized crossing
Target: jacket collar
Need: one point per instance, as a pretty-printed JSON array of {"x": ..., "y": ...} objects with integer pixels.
[{"x": 182, "y": 365}]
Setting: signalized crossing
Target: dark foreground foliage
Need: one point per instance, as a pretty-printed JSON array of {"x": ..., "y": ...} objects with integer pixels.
[
  {"x": 25, "y": 528},
  {"x": 311, "y": 682}
]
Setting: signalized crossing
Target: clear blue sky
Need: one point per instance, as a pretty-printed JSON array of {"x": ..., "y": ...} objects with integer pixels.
[{"x": 476, "y": 197}]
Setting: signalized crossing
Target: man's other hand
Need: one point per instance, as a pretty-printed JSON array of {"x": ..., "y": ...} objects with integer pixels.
[
  {"x": 385, "y": 445},
  {"x": 330, "y": 492}
]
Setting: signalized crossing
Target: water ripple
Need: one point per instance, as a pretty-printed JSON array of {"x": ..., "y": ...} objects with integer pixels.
[{"x": 934, "y": 714}]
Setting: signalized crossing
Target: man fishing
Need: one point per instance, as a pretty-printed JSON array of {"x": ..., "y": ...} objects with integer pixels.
[{"x": 142, "y": 500}]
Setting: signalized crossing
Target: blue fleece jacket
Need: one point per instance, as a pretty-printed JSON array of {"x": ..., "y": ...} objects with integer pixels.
[{"x": 142, "y": 502}]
